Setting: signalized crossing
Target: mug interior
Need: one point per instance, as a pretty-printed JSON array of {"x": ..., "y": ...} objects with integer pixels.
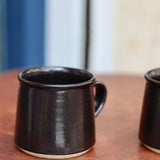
[
  {"x": 153, "y": 76},
  {"x": 55, "y": 76}
]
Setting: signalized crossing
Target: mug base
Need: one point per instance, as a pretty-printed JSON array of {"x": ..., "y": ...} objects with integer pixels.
[
  {"x": 54, "y": 156},
  {"x": 152, "y": 149}
]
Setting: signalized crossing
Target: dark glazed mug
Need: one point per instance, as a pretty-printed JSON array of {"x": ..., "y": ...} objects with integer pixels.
[
  {"x": 56, "y": 111},
  {"x": 149, "y": 132}
]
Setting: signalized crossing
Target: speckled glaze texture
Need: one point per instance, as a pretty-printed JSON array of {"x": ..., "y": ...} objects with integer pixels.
[
  {"x": 149, "y": 132},
  {"x": 58, "y": 118}
]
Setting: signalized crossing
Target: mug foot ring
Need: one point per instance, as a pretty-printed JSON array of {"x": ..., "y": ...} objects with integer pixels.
[
  {"x": 152, "y": 149},
  {"x": 55, "y": 156}
]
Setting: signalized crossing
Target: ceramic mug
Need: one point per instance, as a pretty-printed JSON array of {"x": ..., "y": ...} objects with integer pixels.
[
  {"x": 56, "y": 111},
  {"x": 149, "y": 131}
]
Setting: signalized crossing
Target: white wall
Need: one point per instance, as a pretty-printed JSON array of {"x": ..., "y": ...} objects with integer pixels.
[
  {"x": 64, "y": 33},
  {"x": 125, "y": 35},
  {"x": 64, "y": 40},
  {"x": 137, "y": 36},
  {"x": 101, "y": 36}
]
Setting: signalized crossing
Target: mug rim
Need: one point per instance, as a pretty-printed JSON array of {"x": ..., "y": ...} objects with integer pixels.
[
  {"x": 49, "y": 68},
  {"x": 151, "y": 73}
]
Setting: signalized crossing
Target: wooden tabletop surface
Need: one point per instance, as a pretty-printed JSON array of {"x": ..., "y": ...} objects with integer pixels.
[{"x": 116, "y": 126}]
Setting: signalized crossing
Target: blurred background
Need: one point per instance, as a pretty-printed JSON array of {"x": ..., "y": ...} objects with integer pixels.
[{"x": 103, "y": 36}]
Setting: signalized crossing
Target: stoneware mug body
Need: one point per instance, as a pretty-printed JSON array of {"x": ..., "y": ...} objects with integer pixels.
[
  {"x": 56, "y": 111},
  {"x": 149, "y": 131}
]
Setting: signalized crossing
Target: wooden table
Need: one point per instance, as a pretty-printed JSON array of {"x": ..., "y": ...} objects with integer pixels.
[{"x": 116, "y": 126}]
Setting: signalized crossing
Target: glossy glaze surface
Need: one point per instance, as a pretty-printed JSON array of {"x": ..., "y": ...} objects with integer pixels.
[{"x": 58, "y": 120}]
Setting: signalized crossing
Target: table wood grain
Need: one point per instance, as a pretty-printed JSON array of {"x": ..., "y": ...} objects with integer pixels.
[{"x": 116, "y": 126}]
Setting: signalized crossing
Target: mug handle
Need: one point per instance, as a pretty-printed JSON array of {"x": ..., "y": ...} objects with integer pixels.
[{"x": 100, "y": 96}]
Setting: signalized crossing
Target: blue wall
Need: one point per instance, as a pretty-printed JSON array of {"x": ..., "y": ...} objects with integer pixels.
[{"x": 25, "y": 33}]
